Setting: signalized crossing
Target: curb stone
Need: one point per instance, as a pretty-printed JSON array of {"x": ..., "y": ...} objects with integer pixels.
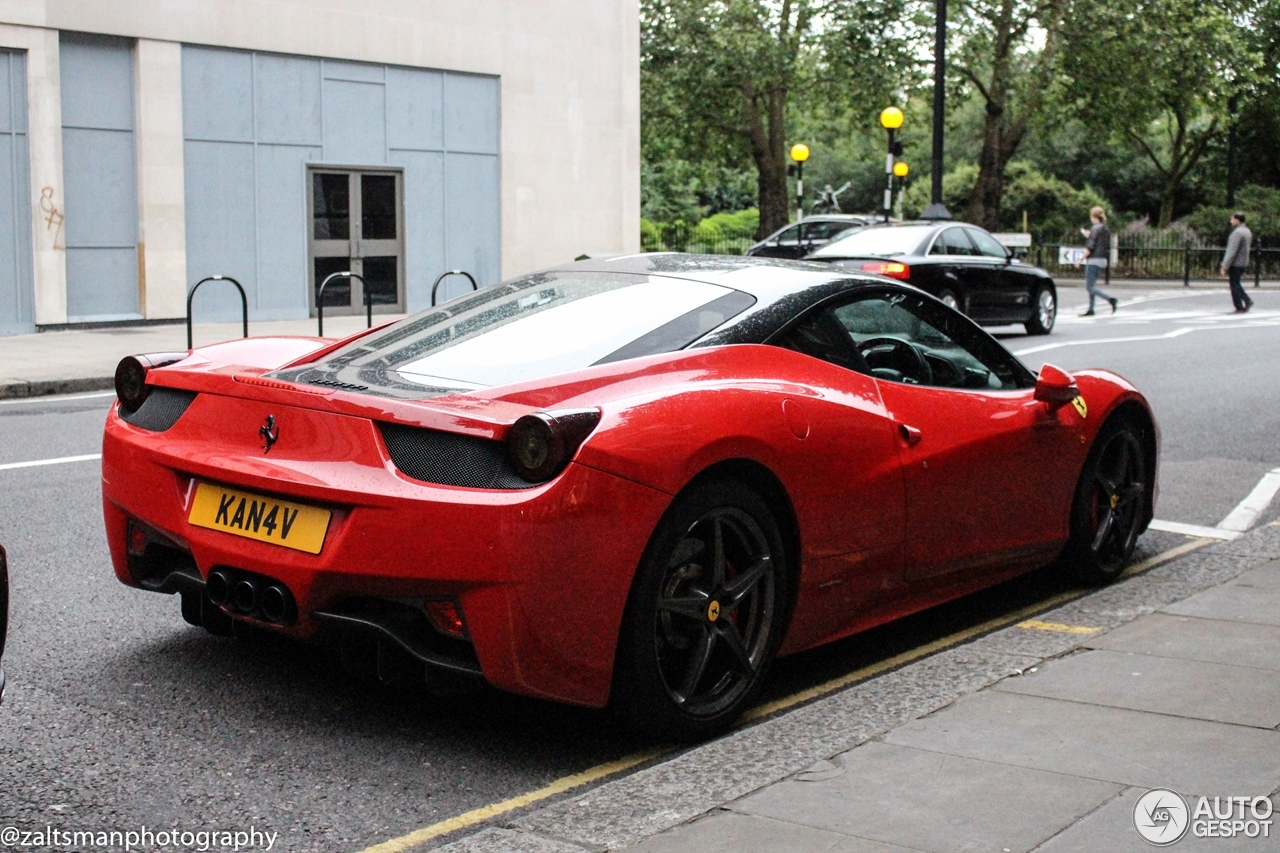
[
  {"x": 44, "y": 388},
  {"x": 635, "y": 807}
]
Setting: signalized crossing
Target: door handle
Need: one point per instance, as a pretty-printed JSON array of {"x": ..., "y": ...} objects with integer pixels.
[{"x": 909, "y": 434}]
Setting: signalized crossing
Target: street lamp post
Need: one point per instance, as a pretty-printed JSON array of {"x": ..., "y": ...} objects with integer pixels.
[
  {"x": 799, "y": 153},
  {"x": 936, "y": 209},
  {"x": 890, "y": 119},
  {"x": 901, "y": 170}
]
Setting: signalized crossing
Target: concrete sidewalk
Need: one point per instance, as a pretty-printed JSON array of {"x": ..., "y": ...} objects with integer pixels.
[{"x": 1039, "y": 737}]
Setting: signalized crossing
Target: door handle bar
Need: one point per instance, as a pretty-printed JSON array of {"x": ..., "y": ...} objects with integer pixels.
[{"x": 909, "y": 434}]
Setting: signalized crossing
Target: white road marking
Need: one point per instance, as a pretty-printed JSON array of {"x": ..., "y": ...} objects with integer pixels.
[
  {"x": 57, "y": 398},
  {"x": 61, "y": 460},
  {"x": 1193, "y": 530},
  {"x": 1248, "y": 510},
  {"x": 1176, "y": 333}
]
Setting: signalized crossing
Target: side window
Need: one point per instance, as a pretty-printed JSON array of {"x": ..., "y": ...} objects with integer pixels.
[
  {"x": 902, "y": 338},
  {"x": 987, "y": 245},
  {"x": 820, "y": 335},
  {"x": 790, "y": 237},
  {"x": 816, "y": 231},
  {"x": 953, "y": 242}
]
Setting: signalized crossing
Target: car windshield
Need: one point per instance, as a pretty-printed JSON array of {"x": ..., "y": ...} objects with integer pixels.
[
  {"x": 876, "y": 242},
  {"x": 530, "y": 328}
]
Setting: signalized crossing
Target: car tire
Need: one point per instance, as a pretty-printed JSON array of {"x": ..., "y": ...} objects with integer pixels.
[
  {"x": 951, "y": 299},
  {"x": 1044, "y": 307},
  {"x": 1109, "y": 510},
  {"x": 703, "y": 620}
]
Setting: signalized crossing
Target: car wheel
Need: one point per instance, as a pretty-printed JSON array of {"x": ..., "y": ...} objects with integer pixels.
[
  {"x": 950, "y": 299},
  {"x": 1045, "y": 304},
  {"x": 1110, "y": 504},
  {"x": 705, "y": 615}
]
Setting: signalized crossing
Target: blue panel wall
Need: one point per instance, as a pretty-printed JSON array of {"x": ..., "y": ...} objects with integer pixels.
[
  {"x": 289, "y": 112},
  {"x": 15, "y": 194},
  {"x": 99, "y": 174}
]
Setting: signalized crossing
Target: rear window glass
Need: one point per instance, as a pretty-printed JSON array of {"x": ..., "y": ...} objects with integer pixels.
[
  {"x": 876, "y": 242},
  {"x": 539, "y": 326}
]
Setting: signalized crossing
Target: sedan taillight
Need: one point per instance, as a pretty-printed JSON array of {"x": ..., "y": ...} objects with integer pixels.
[{"x": 890, "y": 269}]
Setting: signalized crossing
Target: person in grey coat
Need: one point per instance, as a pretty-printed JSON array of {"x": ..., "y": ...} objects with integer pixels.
[
  {"x": 1097, "y": 256},
  {"x": 1236, "y": 260}
]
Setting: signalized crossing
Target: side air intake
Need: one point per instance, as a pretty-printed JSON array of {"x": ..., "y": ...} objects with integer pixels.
[
  {"x": 450, "y": 459},
  {"x": 160, "y": 410}
]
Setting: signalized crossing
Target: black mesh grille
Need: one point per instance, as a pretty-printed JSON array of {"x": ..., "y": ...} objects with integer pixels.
[
  {"x": 160, "y": 410},
  {"x": 451, "y": 459}
]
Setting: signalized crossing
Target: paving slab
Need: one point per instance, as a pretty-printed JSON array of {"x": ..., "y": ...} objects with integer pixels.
[
  {"x": 1224, "y": 693},
  {"x": 1112, "y": 744},
  {"x": 1234, "y": 602},
  {"x": 1193, "y": 638},
  {"x": 643, "y": 804},
  {"x": 1267, "y": 577},
  {"x": 731, "y": 832},
  {"x": 928, "y": 801},
  {"x": 1111, "y": 829}
]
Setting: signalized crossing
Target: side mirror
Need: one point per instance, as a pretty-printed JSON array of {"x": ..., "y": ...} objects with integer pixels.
[{"x": 1055, "y": 386}]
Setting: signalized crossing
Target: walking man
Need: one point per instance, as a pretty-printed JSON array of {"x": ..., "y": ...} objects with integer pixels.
[
  {"x": 1097, "y": 255},
  {"x": 1236, "y": 260}
]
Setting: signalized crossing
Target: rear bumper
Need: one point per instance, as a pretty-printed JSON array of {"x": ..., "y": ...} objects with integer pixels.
[{"x": 542, "y": 575}]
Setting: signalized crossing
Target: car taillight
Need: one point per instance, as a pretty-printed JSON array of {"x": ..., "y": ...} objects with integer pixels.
[
  {"x": 540, "y": 445},
  {"x": 131, "y": 376},
  {"x": 890, "y": 269}
]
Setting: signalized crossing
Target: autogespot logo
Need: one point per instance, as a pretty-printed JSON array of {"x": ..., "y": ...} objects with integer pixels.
[{"x": 1161, "y": 817}]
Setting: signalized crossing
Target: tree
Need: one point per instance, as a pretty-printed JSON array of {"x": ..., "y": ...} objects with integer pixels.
[
  {"x": 720, "y": 77},
  {"x": 1160, "y": 74},
  {"x": 1000, "y": 60}
]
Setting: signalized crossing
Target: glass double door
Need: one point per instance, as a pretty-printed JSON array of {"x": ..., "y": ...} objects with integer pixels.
[{"x": 356, "y": 227}]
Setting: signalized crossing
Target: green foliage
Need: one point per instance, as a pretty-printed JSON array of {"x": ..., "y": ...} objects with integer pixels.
[
  {"x": 1054, "y": 208},
  {"x": 720, "y": 79},
  {"x": 723, "y": 234},
  {"x": 957, "y": 189},
  {"x": 1192, "y": 57},
  {"x": 674, "y": 189},
  {"x": 1260, "y": 205}
]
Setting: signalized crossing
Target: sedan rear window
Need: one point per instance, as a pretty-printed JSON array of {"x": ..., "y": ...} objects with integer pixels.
[
  {"x": 533, "y": 327},
  {"x": 876, "y": 242}
]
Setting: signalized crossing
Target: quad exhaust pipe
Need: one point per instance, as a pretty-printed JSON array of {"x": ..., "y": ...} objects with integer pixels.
[{"x": 247, "y": 594}]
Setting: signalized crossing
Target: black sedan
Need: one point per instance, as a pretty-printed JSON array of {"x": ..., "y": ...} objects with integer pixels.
[
  {"x": 801, "y": 238},
  {"x": 4, "y": 613},
  {"x": 962, "y": 265}
]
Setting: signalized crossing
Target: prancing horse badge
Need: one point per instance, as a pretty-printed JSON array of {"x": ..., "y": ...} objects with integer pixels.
[{"x": 270, "y": 433}]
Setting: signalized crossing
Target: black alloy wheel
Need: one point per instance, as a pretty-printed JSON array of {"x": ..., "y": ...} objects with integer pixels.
[
  {"x": 1044, "y": 307},
  {"x": 1110, "y": 504},
  {"x": 706, "y": 613}
]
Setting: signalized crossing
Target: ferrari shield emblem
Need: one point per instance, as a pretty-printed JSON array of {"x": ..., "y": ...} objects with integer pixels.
[
  {"x": 1081, "y": 406},
  {"x": 713, "y": 611}
]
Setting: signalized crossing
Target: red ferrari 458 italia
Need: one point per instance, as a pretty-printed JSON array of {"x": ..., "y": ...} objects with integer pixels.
[{"x": 630, "y": 482}]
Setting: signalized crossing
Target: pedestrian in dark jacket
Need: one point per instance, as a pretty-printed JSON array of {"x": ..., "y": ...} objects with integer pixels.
[
  {"x": 1097, "y": 256},
  {"x": 1236, "y": 260}
]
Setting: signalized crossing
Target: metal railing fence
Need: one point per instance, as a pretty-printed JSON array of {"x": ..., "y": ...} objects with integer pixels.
[{"x": 1187, "y": 262}]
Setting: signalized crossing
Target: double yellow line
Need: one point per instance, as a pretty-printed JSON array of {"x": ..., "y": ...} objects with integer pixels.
[{"x": 601, "y": 771}]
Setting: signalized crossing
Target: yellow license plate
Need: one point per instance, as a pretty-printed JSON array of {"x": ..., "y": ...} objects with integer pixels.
[{"x": 256, "y": 517}]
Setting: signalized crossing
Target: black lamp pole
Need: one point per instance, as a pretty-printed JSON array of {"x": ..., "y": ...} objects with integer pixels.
[
  {"x": 936, "y": 209},
  {"x": 1231, "y": 153}
]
